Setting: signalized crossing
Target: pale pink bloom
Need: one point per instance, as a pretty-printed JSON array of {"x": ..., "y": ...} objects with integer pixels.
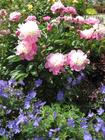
[
  {"x": 77, "y": 60},
  {"x": 79, "y": 19},
  {"x": 49, "y": 27},
  {"x": 30, "y": 18},
  {"x": 26, "y": 50},
  {"x": 57, "y": 7},
  {"x": 56, "y": 21},
  {"x": 70, "y": 10},
  {"x": 98, "y": 36},
  {"x": 87, "y": 33},
  {"x": 15, "y": 16},
  {"x": 30, "y": 28},
  {"x": 67, "y": 18},
  {"x": 46, "y": 18},
  {"x": 100, "y": 28},
  {"x": 55, "y": 63},
  {"x": 92, "y": 21},
  {"x": 99, "y": 31}
]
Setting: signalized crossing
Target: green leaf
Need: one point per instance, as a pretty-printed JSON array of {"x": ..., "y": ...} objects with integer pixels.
[
  {"x": 13, "y": 58},
  {"x": 18, "y": 75}
]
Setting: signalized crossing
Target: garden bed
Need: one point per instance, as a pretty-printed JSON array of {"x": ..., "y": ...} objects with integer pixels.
[{"x": 52, "y": 70}]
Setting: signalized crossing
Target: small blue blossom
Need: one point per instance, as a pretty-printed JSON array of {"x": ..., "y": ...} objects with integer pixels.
[
  {"x": 27, "y": 104},
  {"x": 31, "y": 116},
  {"x": 100, "y": 111},
  {"x": 56, "y": 138},
  {"x": 19, "y": 93},
  {"x": 29, "y": 97},
  {"x": 55, "y": 115},
  {"x": 21, "y": 119},
  {"x": 102, "y": 89},
  {"x": 12, "y": 82},
  {"x": 5, "y": 95},
  {"x": 39, "y": 104},
  {"x": 50, "y": 134},
  {"x": 90, "y": 114},
  {"x": 38, "y": 82},
  {"x": 31, "y": 94},
  {"x": 3, "y": 84},
  {"x": 79, "y": 79},
  {"x": 2, "y": 131},
  {"x": 87, "y": 136},
  {"x": 82, "y": 75},
  {"x": 99, "y": 125},
  {"x": 71, "y": 122},
  {"x": 74, "y": 82},
  {"x": 13, "y": 125},
  {"x": 8, "y": 111},
  {"x": 83, "y": 123},
  {"x": 55, "y": 130},
  {"x": 69, "y": 80},
  {"x": 37, "y": 121},
  {"x": 60, "y": 96},
  {"x": 51, "y": 131},
  {"x": 103, "y": 131}
]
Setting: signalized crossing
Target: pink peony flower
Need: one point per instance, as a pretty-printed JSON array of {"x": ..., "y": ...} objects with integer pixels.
[
  {"x": 49, "y": 27},
  {"x": 70, "y": 10},
  {"x": 87, "y": 33},
  {"x": 55, "y": 63},
  {"x": 77, "y": 60},
  {"x": 30, "y": 18},
  {"x": 79, "y": 19},
  {"x": 57, "y": 7},
  {"x": 26, "y": 49},
  {"x": 92, "y": 21},
  {"x": 15, "y": 16},
  {"x": 30, "y": 28},
  {"x": 46, "y": 18}
]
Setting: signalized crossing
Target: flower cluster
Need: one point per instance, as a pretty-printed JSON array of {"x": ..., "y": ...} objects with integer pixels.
[
  {"x": 15, "y": 16},
  {"x": 77, "y": 61},
  {"x": 28, "y": 34},
  {"x": 96, "y": 32},
  {"x": 81, "y": 20},
  {"x": 58, "y": 7},
  {"x": 72, "y": 82},
  {"x": 18, "y": 116}
]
